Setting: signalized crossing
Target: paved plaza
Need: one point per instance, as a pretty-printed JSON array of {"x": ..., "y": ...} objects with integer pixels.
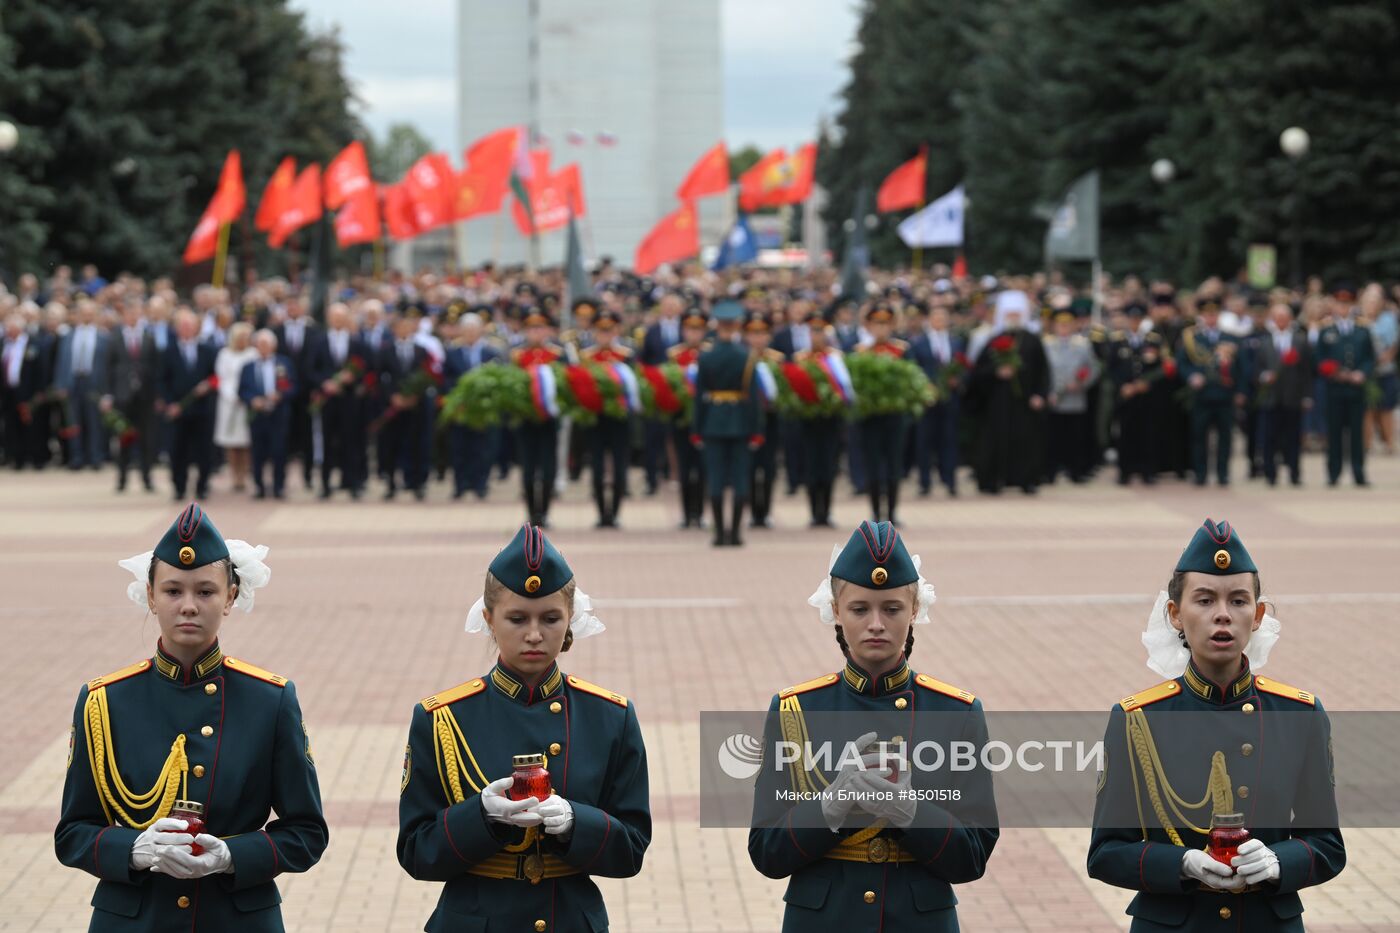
[{"x": 1041, "y": 603}]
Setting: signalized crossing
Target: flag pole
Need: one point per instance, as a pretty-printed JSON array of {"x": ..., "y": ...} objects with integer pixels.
[
  {"x": 918, "y": 249},
  {"x": 378, "y": 258},
  {"x": 496, "y": 234},
  {"x": 221, "y": 256}
]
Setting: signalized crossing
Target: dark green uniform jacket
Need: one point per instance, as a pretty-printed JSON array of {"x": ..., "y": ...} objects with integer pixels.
[
  {"x": 496, "y": 878},
  {"x": 248, "y": 756}
]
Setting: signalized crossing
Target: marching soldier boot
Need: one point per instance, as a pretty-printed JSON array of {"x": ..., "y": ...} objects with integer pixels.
[
  {"x": 736, "y": 521},
  {"x": 721, "y": 537}
]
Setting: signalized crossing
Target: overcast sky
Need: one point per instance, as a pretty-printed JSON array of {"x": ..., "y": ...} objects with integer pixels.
[{"x": 784, "y": 62}]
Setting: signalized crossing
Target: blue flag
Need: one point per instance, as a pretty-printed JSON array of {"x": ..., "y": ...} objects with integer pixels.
[{"x": 738, "y": 247}]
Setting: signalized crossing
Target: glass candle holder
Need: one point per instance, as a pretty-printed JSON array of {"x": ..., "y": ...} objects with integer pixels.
[
  {"x": 192, "y": 813},
  {"x": 531, "y": 779},
  {"x": 1227, "y": 834}
]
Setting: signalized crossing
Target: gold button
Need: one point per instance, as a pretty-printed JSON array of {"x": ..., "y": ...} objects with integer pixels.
[
  {"x": 198, "y": 770},
  {"x": 207, "y": 731},
  {"x": 870, "y": 897},
  {"x": 1247, "y": 708},
  {"x": 555, "y": 748},
  {"x": 183, "y": 902},
  {"x": 211, "y": 689},
  {"x": 1242, "y": 792},
  {"x": 1246, "y": 749},
  {"x": 540, "y": 925},
  {"x": 554, "y": 707},
  {"x": 901, "y": 703},
  {"x": 1224, "y": 913}
]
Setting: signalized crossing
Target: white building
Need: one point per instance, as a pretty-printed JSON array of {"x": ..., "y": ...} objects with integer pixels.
[{"x": 647, "y": 72}]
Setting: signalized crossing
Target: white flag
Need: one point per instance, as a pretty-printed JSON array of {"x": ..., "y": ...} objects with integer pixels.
[{"x": 939, "y": 224}]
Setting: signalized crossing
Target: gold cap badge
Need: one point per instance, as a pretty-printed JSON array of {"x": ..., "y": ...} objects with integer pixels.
[
  {"x": 532, "y": 583},
  {"x": 187, "y": 555},
  {"x": 879, "y": 575},
  {"x": 1222, "y": 559}
]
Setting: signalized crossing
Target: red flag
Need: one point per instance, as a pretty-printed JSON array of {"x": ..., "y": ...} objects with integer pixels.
[
  {"x": 399, "y": 214},
  {"x": 275, "y": 194},
  {"x": 430, "y": 184},
  {"x": 904, "y": 187},
  {"x": 960, "y": 267},
  {"x": 779, "y": 178},
  {"x": 302, "y": 206},
  {"x": 347, "y": 175},
  {"x": 710, "y": 175},
  {"x": 482, "y": 186},
  {"x": 552, "y": 198},
  {"x": 677, "y": 236},
  {"x": 358, "y": 218},
  {"x": 224, "y": 207}
]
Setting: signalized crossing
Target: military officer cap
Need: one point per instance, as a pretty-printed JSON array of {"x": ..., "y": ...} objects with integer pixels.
[
  {"x": 536, "y": 317},
  {"x": 1134, "y": 309},
  {"x": 607, "y": 320},
  {"x": 484, "y": 311},
  {"x": 728, "y": 311},
  {"x": 880, "y": 312},
  {"x": 1083, "y": 307},
  {"x": 192, "y": 541},
  {"x": 527, "y": 288},
  {"x": 875, "y": 557},
  {"x": 758, "y": 321},
  {"x": 454, "y": 310},
  {"x": 530, "y": 565},
  {"x": 694, "y": 317},
  {"x": 1207, "y": 304},
  {"x": 1217, "y": 549},
  {"x": 1164, "y": 298},
  {"x": 1343, "y": 291},
  {"x": 585, "y": 308}
]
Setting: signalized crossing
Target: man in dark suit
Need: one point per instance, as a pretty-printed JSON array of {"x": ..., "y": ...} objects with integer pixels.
[
  {"x": 267, "y": 386},
  {"x": 295, "y": 337},
  {"x": 339, "y": 361},
  {"x": 401, "y": 424},
  {"x": 1283, "y": 367},
  {"x": 663, "y": 334},
  {"x": 133, "y": 371},
  {"x": 472, "y": 452},
  {"x": 19, "y": 380},
  {"x": 939, "y": 352},
  {"x": 1346, "y": 358},
  {"x": 81, "y": 373},
  {"x": 187, "y": 400},
  {"x": 796, "y": 337}
]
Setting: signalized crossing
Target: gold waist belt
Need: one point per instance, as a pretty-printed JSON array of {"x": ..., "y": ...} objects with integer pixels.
[
  {"x": 531, "y": 867},
  {"x": 875, "y": 851},
  {"x": 724, "y": 396}
]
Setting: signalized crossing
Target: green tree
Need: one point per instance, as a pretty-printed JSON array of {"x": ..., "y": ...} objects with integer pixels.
[
  {"x": 22, "y": 228},
  {"x": 391, "y": 157}
]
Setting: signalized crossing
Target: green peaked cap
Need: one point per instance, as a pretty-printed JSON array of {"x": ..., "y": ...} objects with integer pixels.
[
  {"x": 192, "y": 541},
  {"x": 1216, "y": 548},
  {"x": 530, "y": 565},
  {"x": 727, "y": 311},
  {"x": 875, "y": 557}
]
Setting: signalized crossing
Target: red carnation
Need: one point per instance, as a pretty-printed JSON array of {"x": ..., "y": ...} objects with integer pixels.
[
  {"x": 1169, "y": 368},
  {"x": 962, "y": 360},
  {"x": 284, "y": 386},
  {"x": 1329, "y": 369},
  {"x": 371, "y": 380},
  {"x": 1003, "y": 344},
  {"x": 1290, "y": 357},
  {"x": 1082, "y": 376},
  {"x": 213, "y": 383}
]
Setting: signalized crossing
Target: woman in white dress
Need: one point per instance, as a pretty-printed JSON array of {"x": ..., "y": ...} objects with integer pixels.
[{"x": 231, "y": 417}]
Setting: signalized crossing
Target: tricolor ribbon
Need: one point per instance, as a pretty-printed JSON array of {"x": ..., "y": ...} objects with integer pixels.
[
  {"x": 623, "y": 375},
  {"x": 838, "y": 375},
  {"x": 691, "y": 372},
  {"x": 766, "y": 382},
  {"x": 544, "y": 392}
]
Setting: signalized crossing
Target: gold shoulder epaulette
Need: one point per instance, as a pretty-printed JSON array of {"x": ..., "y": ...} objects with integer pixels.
[
  {"x": 938, "y": 686},
  {"x": 453, "y": 694},
  {"x": 515, "y": 354},
  {"x": 1283, "y": 690},
  {"x": 1167, "y": 688},
  {"x": 624, "y": 352},
  {"x": 826, "y": 680},
  {"x": 773, "y": 356},
  {"x": 674, "y": 352},
  {"x": 579, "y": 683},
  {"x": 131, "y": 670},
  {"x": 901, "y": 344},
  {"x": 588, "y": 352},
  {"x": 252, "y": 670}
]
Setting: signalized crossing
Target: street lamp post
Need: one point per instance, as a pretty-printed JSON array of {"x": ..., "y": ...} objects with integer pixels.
[
  {"x": 1295, "y": 142},
  {"x": 9, "y": 138},
  {"x": 1163, "y": 172}
]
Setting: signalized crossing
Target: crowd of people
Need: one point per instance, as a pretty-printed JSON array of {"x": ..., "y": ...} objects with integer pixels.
[{"x": 1036, "y": 382}]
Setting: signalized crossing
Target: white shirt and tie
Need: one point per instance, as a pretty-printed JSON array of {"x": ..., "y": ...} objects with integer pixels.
[
  {"x": 801, "y": 338},
  {"x": 132, "y": 336},
  {"x": 190, "y": 351},
  {"x": 295, "y": 330},
  {"x": 14, "y": 359},
  {"x": 406, "y": 353},
  {"x": 268, "y": 367},
  {"x": 340, "y": 346},
  {"x": 473, "y": 355},
  {"x": 670, "y": 332},
  {"x": 1283, "y": 342},
  {"x": 84, "y": 341},
  {"x": 941, "y": 345}
]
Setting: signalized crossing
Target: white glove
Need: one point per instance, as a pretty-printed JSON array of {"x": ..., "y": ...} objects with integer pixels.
[
  {"x": 1198, "y": 864},
  {"x": 501, "y": 809},
  {"x": 1256, "y": 862},
  {"x": 556, "y": 815},
  {"x": 835, "y": 810},
  {"x": 179, "y": 862},
  {"x": 161, "y": 834},
  {"x": 891, "y": 801}
]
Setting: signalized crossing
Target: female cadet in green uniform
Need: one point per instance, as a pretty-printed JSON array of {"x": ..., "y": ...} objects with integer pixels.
[
  {"x": 856, "y": 858},
  {"x": 190, "y": 725},
  {"x": 1255, "y": 747},
  {"x": 524, "y": 865}
]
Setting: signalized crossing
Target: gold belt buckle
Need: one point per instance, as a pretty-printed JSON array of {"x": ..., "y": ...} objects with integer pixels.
[
  {"x": 878, "y": 850},
  {"x": 533, "y": 868}
]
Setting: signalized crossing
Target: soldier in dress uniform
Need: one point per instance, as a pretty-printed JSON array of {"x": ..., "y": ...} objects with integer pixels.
[
  {"x": 867, "y": 847},
  {"x": 1209, "y": 362},
  {"x": 1346, "y": 358},
  {"x": 211, "y": 736},
  {"x": 537, "y": 442},
  {"x": 610, "y": 440},
  {"x": 1252, "y": 349},
  {"x": 1261, "y": 750},
  {"x": 1134, "y": 364},
  {"x": 727, "y": 424},
  {"x": 881, "y": 437},
  {"x": 758, "y": 335},
  {"x": 690, "y": 462},
  {"x": 514, "y": 863}
]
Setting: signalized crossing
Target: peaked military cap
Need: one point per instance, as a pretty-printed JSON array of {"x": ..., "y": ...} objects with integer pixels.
[
  {"x": 192, "y": 541},
  {"x": 585, "y": 306},
  {"x": 530, "y": 565},
  {"x": 881, "y": 312},
  {"x": 875, "y": 557},
  {"x": 607, "y": 320},
  {"x": 757, "y": 321},
  {"x": 728, "y": 311},
  {"x": 694, "y": 317},
  {"x": 1217, "y": 549}
]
